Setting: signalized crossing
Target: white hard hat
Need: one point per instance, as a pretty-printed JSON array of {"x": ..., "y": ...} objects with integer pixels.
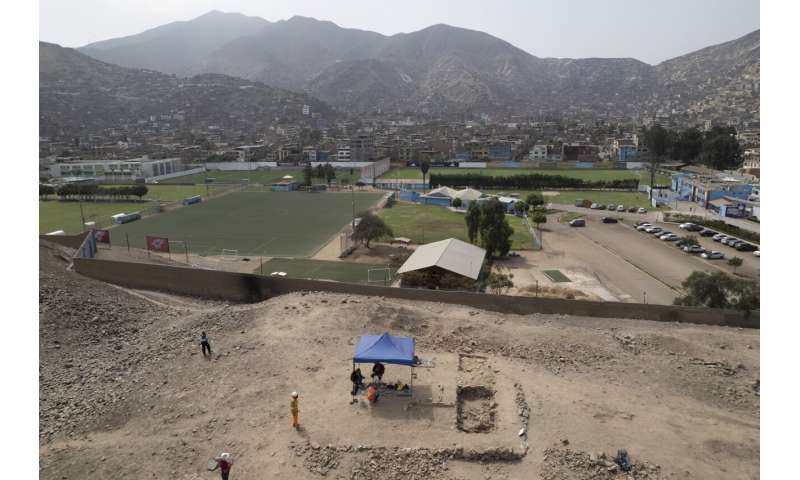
[
  {"x": 225, "y": 456},
  {"x": 294, "y": 394}
]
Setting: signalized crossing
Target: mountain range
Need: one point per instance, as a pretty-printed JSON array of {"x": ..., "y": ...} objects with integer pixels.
[
  {"x": 79, "y": 95},
  {"x": 440, "y": 69}
]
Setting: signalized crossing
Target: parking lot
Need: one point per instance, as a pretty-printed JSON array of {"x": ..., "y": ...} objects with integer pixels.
[{"x": 626, "y": 264}]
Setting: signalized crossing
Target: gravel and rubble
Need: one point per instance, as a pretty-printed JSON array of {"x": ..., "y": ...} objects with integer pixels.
[{"x": 568, "y": 464}]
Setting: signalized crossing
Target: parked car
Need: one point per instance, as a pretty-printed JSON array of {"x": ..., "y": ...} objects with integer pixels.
[
  {"x": 746, "y": 247},
  {"x": 730, "y": 241},
  {"x": 632, "y": 210},
  {"x": 652, "y": 229},
  {"x": 642, "y": 210},
  {"x": 670, "y": 237},
  {"x": 757, "y": 253},
  {"x": 612, "y": 206},
  {"x": 707, "y": 233},
  {"x": 693, "y": 249},
  {"x": 595, "y": 206},
  {"x": 691, "y": 227},
  {"x": 719, "y": 237},
  {"x": 660, "y": 233},
  {"x": 737, "y": 243},
  {"x": 643, "y": 226},
  {"x": 602, "y": 206},
  {"x": 712, "y": 255},
  {"x": 577, "y": 222},
  {"x": 609, "y": 220},
  {"x": 620, "y": 208}
]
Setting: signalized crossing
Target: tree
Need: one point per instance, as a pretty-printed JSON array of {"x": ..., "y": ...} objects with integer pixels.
[
  {"x": 329, "y": 173},
  {"x": 721, "y": 150},
  {"x": 371, "y": 227},
  {"x": 534, "y": 199},
  {"x": 688, "y": 240},
  {"x": 495, "y": 232},
  {"x": 46, "y": 190},
  {"x": 319, "y": 171},
  {"x": 687, "y": 145},
  {"x": 308, "y": 173},
  {"x": 520, "y": 207},
  {"x": 500, "y": 283},
  {"x": 539, "y": 218},
  {"x": 473, "y": 220},
  {"x": 424, "y": 166},
  {"x": 456, "y": 202},
  {"x": 719, "y": 290},
  {"x": 735, "y": 262},
  {"x": 657, "y": 139}
]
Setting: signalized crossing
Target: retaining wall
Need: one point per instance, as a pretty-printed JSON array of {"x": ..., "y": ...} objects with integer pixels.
[
  {"x": 241, "y": 287},
  {"x": 71, "y": 241}
]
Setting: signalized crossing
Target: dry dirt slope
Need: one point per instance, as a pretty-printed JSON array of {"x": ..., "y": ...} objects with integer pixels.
[{"x": 124, "y": 392}]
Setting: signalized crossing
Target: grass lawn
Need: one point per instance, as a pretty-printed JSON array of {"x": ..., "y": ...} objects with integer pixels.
[
  {"x": 349, "y": 272},
  {"x": 431, "y": 223},
  {"x": 257, "y": 176},
  {"x": 584, "y": 174},
  {"x": 283, "y": 224},
  {"x": 55, "y": 215}
]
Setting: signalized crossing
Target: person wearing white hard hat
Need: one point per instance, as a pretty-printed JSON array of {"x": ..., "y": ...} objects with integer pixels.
[
  {"x": 295, "y": 407},
  {"x": 224, "y": 462}
]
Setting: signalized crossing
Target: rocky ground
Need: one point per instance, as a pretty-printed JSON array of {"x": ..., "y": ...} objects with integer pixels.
[{"x": 126, "y": 393}]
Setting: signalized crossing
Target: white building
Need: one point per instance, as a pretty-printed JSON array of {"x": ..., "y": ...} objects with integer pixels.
[
  {"x": 539, "y": 152},
  {"x": 343, "y": 153},
  {"x": 119, "y": 170}
]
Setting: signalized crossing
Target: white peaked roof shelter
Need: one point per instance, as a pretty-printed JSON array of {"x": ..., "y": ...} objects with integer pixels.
[
  {"x": 452, "y": 255},
  {"x": 442, "y": 192},
  {"x": 468, "y": 195}
]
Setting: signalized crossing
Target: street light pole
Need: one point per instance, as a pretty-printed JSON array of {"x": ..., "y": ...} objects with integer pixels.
[{"x": 83, "y": 220}]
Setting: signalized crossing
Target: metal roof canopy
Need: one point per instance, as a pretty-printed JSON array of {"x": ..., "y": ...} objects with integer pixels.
[{"x": 451, "y": 254}]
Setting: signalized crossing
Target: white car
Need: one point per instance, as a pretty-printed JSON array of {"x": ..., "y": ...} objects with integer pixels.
[
  {"x": 620, "y": 208},
  {"x": 686, "y": 226},
  {"x": 712, "y": 255},
  {"x": 661, "y": 233},
  {"x": 694, "y": 249},
  {"x": 642, "y": 210},
  {"x": 643, "y": 226},
  {"x": 670, "y": 237},
  {"x": 595, "y": 206},
  {"x": 757, "y": 253},
  {"x": 653, "y": 229}
]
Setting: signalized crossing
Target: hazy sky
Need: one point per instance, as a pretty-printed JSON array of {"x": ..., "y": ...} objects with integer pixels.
[{"x": 651, "y": 31}]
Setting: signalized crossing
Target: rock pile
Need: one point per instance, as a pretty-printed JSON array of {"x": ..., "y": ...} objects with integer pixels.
[{"x": 564, "y": 463}]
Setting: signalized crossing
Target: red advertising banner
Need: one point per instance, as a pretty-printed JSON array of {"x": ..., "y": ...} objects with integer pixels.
[
  {"x": 102, "y": 236},
  {"x": 158, "y": 244}
]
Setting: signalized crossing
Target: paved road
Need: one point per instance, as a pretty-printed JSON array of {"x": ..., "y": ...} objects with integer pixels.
[{"x": 618, "y": 274}]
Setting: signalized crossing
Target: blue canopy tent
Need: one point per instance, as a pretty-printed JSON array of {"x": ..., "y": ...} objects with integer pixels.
[{"x": 385, "y": 349}]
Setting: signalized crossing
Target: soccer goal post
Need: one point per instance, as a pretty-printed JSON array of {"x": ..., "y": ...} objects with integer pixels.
[{"x": 379, "y": 275}]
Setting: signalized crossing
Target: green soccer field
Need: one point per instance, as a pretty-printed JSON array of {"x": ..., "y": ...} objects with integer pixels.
[
  {"x": 583, "y": 174},
  {"x": 259, "y": 176},
  {"x": 431, "y": 223},
  {"x": 286, "y": 224},
  {"x": 350, "y": 272}
]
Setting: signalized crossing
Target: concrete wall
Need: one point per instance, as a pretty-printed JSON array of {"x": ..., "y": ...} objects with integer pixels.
[
  {"x": 71, "y": 241},
  {"x": 242, "y": 287}
]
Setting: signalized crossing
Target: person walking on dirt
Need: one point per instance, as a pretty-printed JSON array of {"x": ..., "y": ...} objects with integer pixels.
[
  {"x": 295, "y": 408},
  {"x": 224, "y": 462},
  {"x": 358, "y": 379},
  {"x": 204, "y": 344}
]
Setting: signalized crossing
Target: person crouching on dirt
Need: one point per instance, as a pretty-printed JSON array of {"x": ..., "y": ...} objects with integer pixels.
[
  {"x": 224, "y": 462},
  {"x": 372, "y": 393},
  {"x": 358, "y": 382},
  {"x": 377, "y": 371},
  {"x": 295, "y": 408},
  {"x": 204, "y": 344}
]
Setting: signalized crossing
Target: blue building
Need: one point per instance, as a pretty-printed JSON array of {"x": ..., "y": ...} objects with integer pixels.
[
  {"x": 703, "y": 190},
  {"x": 627, "y": 153},
  {"x": 500, "y": 152}
]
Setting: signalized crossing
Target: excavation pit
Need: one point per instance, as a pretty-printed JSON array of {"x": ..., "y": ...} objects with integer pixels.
[{"x": 475, "y": 409}]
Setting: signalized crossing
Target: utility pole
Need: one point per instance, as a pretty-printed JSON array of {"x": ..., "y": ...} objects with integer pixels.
[
  {"x": 353, "y": 198},
  {"x": 83, "y": 220}
]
